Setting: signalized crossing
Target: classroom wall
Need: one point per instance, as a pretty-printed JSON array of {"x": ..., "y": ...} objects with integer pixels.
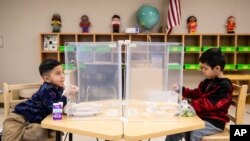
[{"x": 21, "y": 21}]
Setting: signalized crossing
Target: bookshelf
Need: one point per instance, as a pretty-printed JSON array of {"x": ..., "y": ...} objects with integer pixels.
[{"x": 236, "y": 47}]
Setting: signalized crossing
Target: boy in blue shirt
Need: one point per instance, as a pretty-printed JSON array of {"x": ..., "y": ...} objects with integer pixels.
[{"x": 24, "y": 122}]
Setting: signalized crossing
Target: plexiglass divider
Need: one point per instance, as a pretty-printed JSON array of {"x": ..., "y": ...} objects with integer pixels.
[
  {"x": 95, "y": 68},
  {"x": 151, "y": 69}
]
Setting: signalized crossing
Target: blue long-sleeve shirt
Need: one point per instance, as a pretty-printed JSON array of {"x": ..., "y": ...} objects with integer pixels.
[{"x": 41, "y": 103}]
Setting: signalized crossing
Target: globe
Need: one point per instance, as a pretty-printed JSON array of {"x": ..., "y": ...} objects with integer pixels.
[{"x": 147, "y": 16}]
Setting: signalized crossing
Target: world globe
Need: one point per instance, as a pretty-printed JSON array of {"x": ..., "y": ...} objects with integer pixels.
[{"x": 147, "y": 16}]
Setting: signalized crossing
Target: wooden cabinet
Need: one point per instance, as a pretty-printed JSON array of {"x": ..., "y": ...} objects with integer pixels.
[{"x": 236, "y": 47}]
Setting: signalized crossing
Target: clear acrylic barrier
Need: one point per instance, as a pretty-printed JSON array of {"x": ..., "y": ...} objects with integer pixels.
[
  {"x": 95, "y": 68},
  {"x": 151, "y": 71}
]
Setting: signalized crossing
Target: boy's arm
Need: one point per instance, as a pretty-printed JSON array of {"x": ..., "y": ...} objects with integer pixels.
[
  {"x": 47, "y": 100},
  {"x": 192, "y": 93},
  {"x": 63, "y": 99},
  {"x": 219, "y": 98},
  {"x": 49, "y": 97},
  {"x": 70, "y": 90}
]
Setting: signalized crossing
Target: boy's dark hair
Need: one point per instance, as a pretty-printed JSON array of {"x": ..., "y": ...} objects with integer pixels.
[
  {"x": 47, "y": 65},
  {"x": 213, "y": 57}
]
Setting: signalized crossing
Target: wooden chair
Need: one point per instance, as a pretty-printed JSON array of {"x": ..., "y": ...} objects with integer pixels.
[
  {"x": 17, "y": 93},
  {"x": 239, "y": 102}
]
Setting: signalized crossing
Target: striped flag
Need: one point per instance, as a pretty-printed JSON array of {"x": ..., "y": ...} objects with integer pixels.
[{"x": 174, "y": 15}]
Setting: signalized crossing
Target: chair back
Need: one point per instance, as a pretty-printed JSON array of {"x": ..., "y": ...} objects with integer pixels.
[
  {"x": 12, "y": 95},
  {"x": 239, "y": 102}
]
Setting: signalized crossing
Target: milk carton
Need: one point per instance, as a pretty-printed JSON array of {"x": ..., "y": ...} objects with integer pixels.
[{"x": 57, "y": 111}]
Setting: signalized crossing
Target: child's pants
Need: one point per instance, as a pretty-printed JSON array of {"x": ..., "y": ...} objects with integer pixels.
[
  {"x": 195, "y": 135},
  {"x": 15, "y": 128}
]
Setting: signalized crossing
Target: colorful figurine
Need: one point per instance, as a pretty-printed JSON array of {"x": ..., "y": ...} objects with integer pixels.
[
  {"x": 230, "y": 25},
  {"x": 85, "y": 24},
  {"x": 116, "y": 23},
  {"x": 192, "y": 24},
  {"x": 56, "y": 23}
]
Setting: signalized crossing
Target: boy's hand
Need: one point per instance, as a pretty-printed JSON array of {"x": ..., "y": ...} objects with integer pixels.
[
  {"x": 70, "y": 90},
  {"x": 175, "y": 87}
]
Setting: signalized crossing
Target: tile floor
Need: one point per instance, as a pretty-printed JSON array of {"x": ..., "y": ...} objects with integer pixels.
[{"x": 84, "y": 138}]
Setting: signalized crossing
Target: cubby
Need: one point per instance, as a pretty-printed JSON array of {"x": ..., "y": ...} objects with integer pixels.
[
  {"x": 192, "y": 45},
  {"x": 63, "y": 38},
  {"x": 119, "y": 36},
  {"x": 236, "y": 47},
  {"x": 103, "y": 38},
  {"x": 175, "y": 38},
  {"x": 85, "y": 37},
  {"x": 227, "y": 40},
  {"x": 208, "y": 41},
  {"x": 192, "y": 40},
  {"x": 157, "y": 37},
  {"x": 243, "y": 40},
  {"x": 139, "y": 37}
]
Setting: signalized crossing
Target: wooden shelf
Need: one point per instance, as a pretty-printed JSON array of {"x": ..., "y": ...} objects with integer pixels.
[{"x": 236, "y": 47}]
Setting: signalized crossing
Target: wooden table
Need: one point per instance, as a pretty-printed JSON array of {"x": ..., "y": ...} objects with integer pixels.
[
  {"x": 105, "y": 129},
  {"x": 139, "y": 127},
  {"x": 136, "y": 130}
]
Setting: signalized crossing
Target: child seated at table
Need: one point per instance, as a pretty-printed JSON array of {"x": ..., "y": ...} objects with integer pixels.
[
  {"x": 212, "y": 98},
  {"x": 24, "y": 122}
]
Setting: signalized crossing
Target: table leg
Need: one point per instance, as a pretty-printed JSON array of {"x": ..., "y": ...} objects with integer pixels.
[
  {"x": 70, "y": 137},
  {"x": 187, "y": 136},
  {"x": 58, "y": 136}
]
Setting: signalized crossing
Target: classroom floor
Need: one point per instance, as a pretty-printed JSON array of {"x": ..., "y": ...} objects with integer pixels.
[{"x": 81, "y": 138}]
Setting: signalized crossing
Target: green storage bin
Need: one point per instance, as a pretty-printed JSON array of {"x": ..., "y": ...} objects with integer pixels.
[
  {"x": 228, "y": 48},
  {"x": 175, "y": 49},
  {"x": 68, "y": 66},
  {"x": 243, "y": 48},
  {"x": 66, "y": 48},
  {"x": 243, "y": 66},
  {"x": 204, "y": 48},
  {"x": 192, "y": 49},
  {"x": 61, "y": 48},
  {"x": 192, "y": 66},
  {"x": 174, "y": 66},
  {"x": 229, "y": 67},
  {"x": 103, "y": 49}
]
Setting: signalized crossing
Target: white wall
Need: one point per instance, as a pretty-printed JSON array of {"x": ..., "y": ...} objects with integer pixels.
[
  {"x": 1, "y": 49},
  {"x": 21, "y": 21}
]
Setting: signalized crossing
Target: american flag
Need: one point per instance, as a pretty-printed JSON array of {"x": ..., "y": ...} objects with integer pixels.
[{"x": 174, "y": 15}]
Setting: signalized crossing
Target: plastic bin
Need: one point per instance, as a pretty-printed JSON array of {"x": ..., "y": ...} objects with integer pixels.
[{"x": 192, "y": 49}]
